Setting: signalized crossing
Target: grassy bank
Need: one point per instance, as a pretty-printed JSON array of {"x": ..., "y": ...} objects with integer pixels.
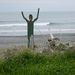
[{"x": 29, "y": 63}]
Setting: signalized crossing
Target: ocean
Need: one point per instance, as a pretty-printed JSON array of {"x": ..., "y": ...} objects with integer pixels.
[{"x": 13, "y": 24}]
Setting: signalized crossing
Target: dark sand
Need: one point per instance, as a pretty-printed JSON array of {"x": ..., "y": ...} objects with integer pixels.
[{"x": 40, "y": 40}]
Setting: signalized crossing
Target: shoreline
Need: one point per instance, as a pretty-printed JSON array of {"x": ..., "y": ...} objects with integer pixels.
[{"x": 12, "y": 41}]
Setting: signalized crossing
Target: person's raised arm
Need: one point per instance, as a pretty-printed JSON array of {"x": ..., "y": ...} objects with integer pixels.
[
  {"x": 24, "y": 16},
  {"x": 37, "y": 15}
]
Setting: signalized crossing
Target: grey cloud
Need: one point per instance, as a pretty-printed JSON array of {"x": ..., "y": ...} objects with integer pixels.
[{"x": 45, "y": 5}]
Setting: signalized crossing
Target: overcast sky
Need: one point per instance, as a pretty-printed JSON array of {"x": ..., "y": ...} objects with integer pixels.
[{"x": 32, "y": 5}]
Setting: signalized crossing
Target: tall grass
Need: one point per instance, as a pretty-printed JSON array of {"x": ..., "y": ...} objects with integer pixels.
[{"x": 28, "y": 63}]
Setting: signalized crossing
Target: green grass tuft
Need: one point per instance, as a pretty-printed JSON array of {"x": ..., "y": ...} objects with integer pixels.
[{"x": 28, "y": 63}]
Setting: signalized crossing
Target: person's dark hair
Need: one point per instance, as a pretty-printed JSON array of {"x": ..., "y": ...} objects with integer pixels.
[{"x": 30, "y": 16}]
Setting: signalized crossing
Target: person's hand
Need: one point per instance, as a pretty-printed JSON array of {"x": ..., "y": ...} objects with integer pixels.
[
  {"x": 22, "y": 12},
  {"x": 38, "y": 9}
]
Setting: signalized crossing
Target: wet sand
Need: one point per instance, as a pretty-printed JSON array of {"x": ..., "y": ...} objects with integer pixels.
[{"x": 12, "y": 41}]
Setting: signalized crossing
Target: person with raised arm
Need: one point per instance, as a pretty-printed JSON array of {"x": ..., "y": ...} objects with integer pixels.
[{"x": 30, "y": 25}]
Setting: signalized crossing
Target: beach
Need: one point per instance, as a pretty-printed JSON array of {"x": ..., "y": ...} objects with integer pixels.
[
  {"x": 14, "y": 44},
  {"x": 13, "y": 28},
  {"x": 39, "y": 40}
]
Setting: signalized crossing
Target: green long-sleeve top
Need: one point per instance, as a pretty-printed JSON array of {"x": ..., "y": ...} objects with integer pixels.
[{"x": 30, "y": 28}]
